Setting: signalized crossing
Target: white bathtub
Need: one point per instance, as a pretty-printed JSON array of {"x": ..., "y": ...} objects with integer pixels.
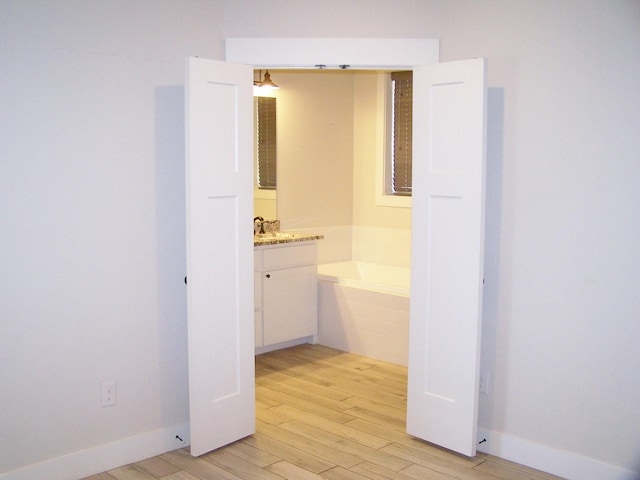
[{"x": 363, "y": 308}]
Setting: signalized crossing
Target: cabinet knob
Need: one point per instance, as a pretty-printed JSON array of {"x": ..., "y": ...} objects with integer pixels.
[{"x": 268, "y": 275}]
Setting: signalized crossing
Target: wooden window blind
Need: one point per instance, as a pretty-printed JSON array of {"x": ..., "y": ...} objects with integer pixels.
[
  {"x": 402, "y": 83},
  {"x": 266, "y": 143}
]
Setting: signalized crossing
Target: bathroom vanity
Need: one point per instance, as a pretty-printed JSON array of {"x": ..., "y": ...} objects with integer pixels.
[{"x": 285, "y": 290}]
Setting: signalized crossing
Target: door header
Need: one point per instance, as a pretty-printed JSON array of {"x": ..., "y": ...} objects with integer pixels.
[{"x": 333, "y": 53}]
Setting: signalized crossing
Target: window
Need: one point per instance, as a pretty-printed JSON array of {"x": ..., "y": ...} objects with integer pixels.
[
  {"x": 266, "y": 143},
  {"x": 395, "y": 139},
  {"x": 401, "y": 132}
]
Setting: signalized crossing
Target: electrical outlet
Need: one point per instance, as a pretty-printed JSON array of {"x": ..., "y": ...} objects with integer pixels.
[
  {"x": 484, "y": 383},
  {"x": 108, "y": 394}
]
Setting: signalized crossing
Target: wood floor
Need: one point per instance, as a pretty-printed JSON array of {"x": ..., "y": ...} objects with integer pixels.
[{"x": 326, "y": 414}]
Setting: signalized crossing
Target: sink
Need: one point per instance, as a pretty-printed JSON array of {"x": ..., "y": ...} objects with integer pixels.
[{"x": 285, "y": 235}]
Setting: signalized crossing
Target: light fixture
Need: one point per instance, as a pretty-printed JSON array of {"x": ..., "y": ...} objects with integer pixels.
[
  {"x": 267, "y": 82},
  {"x": 265, "y": 86}
]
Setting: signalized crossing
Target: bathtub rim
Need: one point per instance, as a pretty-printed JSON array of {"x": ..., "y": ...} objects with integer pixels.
[{"x": 360, "y": 284}]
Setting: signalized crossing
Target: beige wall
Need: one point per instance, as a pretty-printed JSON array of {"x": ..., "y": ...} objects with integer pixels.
[
  {"x": 327, "y": 151},
  {"x": 368, "y": 106},
  {"x": 265, "y": 208},
  {"x": 315, "y": 148}
]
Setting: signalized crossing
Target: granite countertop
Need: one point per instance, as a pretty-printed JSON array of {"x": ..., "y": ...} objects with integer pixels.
[{"x": 283, "y": 237}]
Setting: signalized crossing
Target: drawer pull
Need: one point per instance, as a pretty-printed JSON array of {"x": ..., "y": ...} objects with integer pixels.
[{"x": 268, "y": 275}]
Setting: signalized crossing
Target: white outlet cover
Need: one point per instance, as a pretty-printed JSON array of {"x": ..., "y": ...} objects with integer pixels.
[{"x": 108, "y": 394}]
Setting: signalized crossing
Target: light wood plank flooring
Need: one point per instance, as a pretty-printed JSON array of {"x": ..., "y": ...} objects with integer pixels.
[{"x": 326, "y": 414}]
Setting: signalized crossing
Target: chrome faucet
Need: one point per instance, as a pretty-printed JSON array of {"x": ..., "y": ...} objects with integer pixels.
[{"x": 258, "y": 225}]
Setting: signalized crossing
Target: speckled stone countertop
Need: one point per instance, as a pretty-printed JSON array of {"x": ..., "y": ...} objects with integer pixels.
[{"x": 283, "y": 237}]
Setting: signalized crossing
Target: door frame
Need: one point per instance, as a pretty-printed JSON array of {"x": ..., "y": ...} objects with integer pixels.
[
  {"x": 338, "y": 53},
  {"x": 333, "y": 53}
]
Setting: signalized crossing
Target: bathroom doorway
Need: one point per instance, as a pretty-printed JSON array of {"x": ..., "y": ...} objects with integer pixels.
[
  {"x": 443, "y": 101},
  {"x": 332, "y": 132}
]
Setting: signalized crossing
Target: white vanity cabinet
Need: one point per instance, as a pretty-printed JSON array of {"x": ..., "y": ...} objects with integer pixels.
[{"x": 285, "y": 294}]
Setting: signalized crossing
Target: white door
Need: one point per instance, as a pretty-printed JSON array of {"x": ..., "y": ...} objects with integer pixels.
[
  {"x": 219, "y": 152},
  {"x": 447, "y": 253}
]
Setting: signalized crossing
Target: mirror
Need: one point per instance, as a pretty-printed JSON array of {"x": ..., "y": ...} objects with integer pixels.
[{"x": 265, "y": 158}]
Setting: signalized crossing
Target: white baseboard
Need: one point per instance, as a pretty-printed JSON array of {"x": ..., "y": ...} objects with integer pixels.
[
  {"x": 104, "y": 457},
  {"x": 557, "y": 462},
  {"x": 287, "y": 344},
  {"x": 133, "y": 449}
]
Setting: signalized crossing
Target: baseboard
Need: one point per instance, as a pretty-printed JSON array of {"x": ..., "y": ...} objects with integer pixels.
[
  {"x": 105, "y": 457},
  {"x": 542, "y": 457},
  {"x": 287, "y": 344}
]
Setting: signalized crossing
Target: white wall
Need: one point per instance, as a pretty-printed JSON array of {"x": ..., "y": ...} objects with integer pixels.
[
  {"x": 92, "y": 222},
  {"x": 561, "y": 298},
  {"x": 92, "y": 249},
  {"x": 331, "y": 18},
  {"x": 561, "y": 320}
]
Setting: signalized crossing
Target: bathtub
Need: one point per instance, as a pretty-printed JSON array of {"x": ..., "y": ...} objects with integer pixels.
[{"x": 363, "y": 308}]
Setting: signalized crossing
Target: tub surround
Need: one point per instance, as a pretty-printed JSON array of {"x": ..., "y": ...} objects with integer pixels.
[
  {"x": 363, "y": 308},
  {"x": 386, "y": 246},
  {"x": 382, "y": 246},
  {"x": 369, "y": 276}
]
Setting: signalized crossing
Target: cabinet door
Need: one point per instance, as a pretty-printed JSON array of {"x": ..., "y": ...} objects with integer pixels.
[{"x": 289, "y": 303}]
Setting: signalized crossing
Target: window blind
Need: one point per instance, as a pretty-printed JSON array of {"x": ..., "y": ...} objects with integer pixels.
[
  {"x": 266, "y": 141},
  {"x": 402, "y": 132}
]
